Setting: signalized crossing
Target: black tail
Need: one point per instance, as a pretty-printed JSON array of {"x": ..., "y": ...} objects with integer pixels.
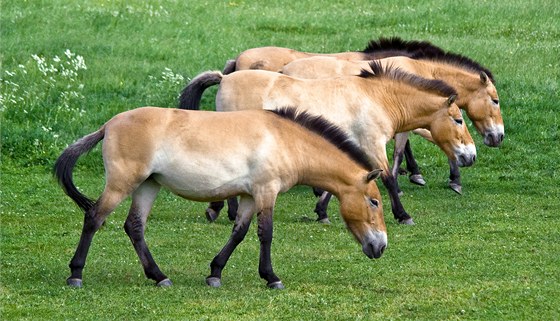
[
  {"x": 229, "y": 67},
  {"x": 64, "y": 166},
  {"x": 192, "y": 94}
]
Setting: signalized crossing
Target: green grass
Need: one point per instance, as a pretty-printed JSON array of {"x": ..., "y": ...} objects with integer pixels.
[{"x": 493, "y": 253}]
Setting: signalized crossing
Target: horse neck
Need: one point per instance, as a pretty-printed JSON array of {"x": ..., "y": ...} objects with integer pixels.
[
  {"x": 333, "y": 173},
  {"x": 465, "y": 82},
  {"x": 408, "y": 107}
]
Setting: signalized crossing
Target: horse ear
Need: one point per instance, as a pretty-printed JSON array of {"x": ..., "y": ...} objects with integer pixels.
[
  {"x": 483, "y": 78},
  {"x": 451, "y": 100},
  {"x": 374, "y": 174}
]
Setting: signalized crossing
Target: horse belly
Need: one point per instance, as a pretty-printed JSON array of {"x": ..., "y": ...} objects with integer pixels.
[{"x": 205, "y": 180}]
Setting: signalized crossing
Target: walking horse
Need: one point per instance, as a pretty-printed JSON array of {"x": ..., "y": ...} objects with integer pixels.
[
  {"x": 371, "y": 107},
  {"x": 259, "y": 154}
]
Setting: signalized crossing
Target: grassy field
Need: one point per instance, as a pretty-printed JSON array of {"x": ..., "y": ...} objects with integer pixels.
[{"x": 68, "y": 66}]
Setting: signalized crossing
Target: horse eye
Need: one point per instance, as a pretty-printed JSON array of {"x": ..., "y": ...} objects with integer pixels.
[
  {"x": 495, "y": 101},
  {"x": 458, "y": 121},
  {"x": 373, "y": 202}
]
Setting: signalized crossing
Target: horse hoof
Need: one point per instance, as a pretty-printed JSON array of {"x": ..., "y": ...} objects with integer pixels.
[
  {"x": 276, "y": 285},
  {"x": 408, "y": 221},
  {"x": 400, "y": 193},
  {"x": 211, "y": 215},
  {"x": 164, "y": 283},
  {"x": 214, "y": 282},
  {"x": 73, "y": 282},
  {"x": 417, "y": 179},
  {"x": 324, "y": 221},
  {"x": 456, "y": 188}
]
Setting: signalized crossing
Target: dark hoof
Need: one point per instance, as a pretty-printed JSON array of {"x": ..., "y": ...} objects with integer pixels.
[
  {"x": 211, "y": 215},
  {"x": 276, "y": 285},
  {"x": 324, "y": 221},
  {"x": 164, "y": 283},
  {"x": 214, "y": 282},
  {"x": 417, "y": 179},
  {"x": 75, "y": 283},
  {"x": 408, "y": 221},
  {"x": 457, "y": 188}
]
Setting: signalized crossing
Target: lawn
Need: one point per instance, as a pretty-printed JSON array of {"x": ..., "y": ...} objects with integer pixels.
[{"x": 492, "y": 253}]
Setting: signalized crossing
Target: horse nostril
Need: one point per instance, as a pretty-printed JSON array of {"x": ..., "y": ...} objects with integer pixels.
[
  {"x": 474, "y": 158},
  {"x": 383, "y": 249},
  {"x": 501, "y": 137}
]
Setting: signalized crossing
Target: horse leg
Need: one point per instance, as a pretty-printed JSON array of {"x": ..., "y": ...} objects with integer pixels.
[
  {"x": 398, "y": 209},
  {"x": 232, "y": 208},
  {"x": 264, "y": 232},
  {"x": 400, "y": 142},
  {"x": 93, "y": 219},
  {"x": 240, "y": 228},
  {"x": 213, "y": 210},
  {"x": 321, "y": 208},
  {"x": 134, "y": 226},
  {"x": 455, "y": 177},
  {"x": 412, "y": 167}
]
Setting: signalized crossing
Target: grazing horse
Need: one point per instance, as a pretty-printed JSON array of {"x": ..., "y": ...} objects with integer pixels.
[
  {"x": 477, "y": 94},
  {"x": 275, "y": 58},
  {"x": 372, "y": 107},
  {"x": 259, "y": 154}
]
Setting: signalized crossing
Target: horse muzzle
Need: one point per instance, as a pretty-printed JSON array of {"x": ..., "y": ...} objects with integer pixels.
[
  {"x": 466, "y": 156},
  {"x": 374, "y": 244},
  {"x": 495, "y": 137}
]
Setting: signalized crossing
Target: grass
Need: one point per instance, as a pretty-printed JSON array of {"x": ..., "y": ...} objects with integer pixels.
[{"x": 492, "y": 253}]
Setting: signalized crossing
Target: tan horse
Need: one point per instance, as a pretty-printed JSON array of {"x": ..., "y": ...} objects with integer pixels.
[
  {"x": 371, "y": 107},
  {"x": 260, "y": 154},
  {"x": 275, "y": 58},
  {"x": 477, "y": 94}
]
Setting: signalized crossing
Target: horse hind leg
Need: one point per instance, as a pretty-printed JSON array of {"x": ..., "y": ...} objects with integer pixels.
[
  {"x": 240, "y": 228},
  {"x": 93, "y": 219},
  {"x": 135, "y": 224}
]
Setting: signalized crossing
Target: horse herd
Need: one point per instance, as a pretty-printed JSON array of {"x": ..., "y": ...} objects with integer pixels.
[{"x": 326, "y": 122}]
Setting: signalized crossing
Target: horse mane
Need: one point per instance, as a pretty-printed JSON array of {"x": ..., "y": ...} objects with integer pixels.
[
  {"x": 327, "y": 130},
  {"x": 432, "y": 85},
  {"x": 425, "y": 50}
]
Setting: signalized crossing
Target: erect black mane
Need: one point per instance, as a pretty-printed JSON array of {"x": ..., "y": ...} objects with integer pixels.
[
  {"x": 433, "y": 85},
  {"x": 424, "y": 50},
  {"x": 327, "y": 130}
]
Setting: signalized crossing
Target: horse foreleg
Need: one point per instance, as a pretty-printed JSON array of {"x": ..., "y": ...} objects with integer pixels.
[
  {"x": 232, "y": 208},
  {"x": 264, "y": 232},
  {"x": 134, "y": 226},
  {"x": 321, "y": 207},
  {"x": 412, "y": 167},
  {"x": 455, "y": 177},
  {"x": 396, "y": 206},
  {"x": 93, "y": 219},
  {"x": 240, "y": 228}
]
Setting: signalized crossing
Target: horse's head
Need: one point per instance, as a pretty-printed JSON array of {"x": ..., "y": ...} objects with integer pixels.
[
  {"x": 450, "y": 133},
  {"x": 362, "y": 210},
  {"x": 483, "y": 108}
]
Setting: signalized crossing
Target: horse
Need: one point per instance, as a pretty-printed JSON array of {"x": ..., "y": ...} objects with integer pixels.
[
  {"x": 477, "y": 96},
  {"x": 274, "y": 58},
  {"x": 260, "y": 154},
  {"x": 372, "y": 107}
]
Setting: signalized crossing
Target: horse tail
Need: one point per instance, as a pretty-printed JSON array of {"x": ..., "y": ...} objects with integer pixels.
[
  {"x": 64, "y": 166},
  {"x": 192, "y": 94},
  {"x": 230, "y": 66}
]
